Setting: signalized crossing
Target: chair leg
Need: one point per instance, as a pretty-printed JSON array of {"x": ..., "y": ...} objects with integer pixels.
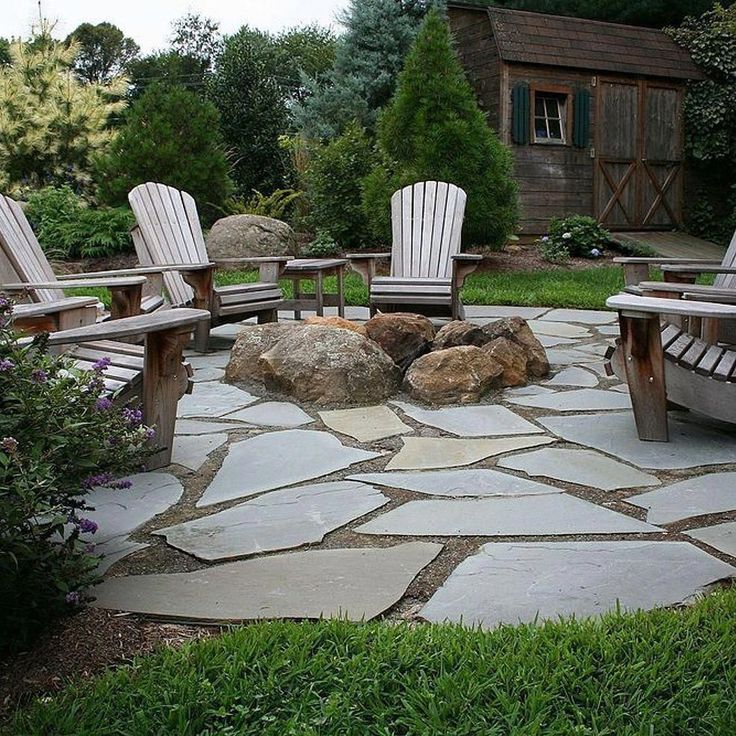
[
  {"x": 644, "y": 364},
  {"x": 162, "y": 383},
  {"x": 270, "y": 315},
  {"x": 201, "y": 336}
]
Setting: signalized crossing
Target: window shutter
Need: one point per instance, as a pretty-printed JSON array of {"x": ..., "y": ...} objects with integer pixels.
[
  {"x": 581, "y": 118},
  {"x": 520, "y": 114}
]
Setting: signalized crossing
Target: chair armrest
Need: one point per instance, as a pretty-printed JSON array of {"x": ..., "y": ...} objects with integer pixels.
[
  {"x": 108, "y": 283},
  {"x": 366, "y": 256},
  {"x": 135, "y": 271},
  {"x": 697, "y": 268},
  {"x": 469, "y": 257},
  {"x": 142, "y": 324},
  {"x": 676, "y": 288},
  {"x": 60, "y": 305},
  {"x": 719, "y": 296},
  {"x": 662, "y": 261},
  {"x": 648, "y": 305},
  {"x": 255, "y": 260}
]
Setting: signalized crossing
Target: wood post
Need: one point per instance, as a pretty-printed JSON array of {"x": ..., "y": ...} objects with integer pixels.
[
  {"x": 202, "y": 282},
  {"x": 340, "y": 273},
  {"x": 644, "y": 363},
  {"x": 126, "y": 300},
  {"x": 635, "y": 273},
  {"x": 162, "y": 382}
]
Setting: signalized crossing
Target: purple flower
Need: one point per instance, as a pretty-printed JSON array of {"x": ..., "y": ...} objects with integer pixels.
[
  {"x": 150, "y": 433},
  {"x": 100, "y": 479},
  {"x": 120, "y": 484},
  {"x": 89, "y": 548},
  {"x": 73, "y": 598},
  {"x": 101, "y": 365},
  {"x": 134, "y": 417},
  {"x": 86, "y": 526},
  {"x": 6, "y": 365},
  {"x": 9, "y": 444},
  {"x": 4, "y": 303},
  {"x": 103, "y": 404},
  {"x": 39, "y": 376}
]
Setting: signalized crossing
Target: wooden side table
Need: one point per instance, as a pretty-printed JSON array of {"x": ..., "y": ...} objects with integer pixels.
[{"x": 317, "y": 269}]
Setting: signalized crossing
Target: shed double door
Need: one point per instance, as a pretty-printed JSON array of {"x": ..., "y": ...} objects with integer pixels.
[{"x": 638, "y": 154}]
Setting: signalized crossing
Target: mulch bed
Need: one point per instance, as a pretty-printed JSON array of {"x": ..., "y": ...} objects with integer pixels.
[{"x": 82, "y": 646}]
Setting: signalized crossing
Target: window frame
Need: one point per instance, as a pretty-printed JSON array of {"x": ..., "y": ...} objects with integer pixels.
[{"x": 565, "y": 115}]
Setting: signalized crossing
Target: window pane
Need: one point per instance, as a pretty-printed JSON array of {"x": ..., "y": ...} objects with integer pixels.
[
  {"x": 555, "y": 131},
  {"x": 540, "y": 128},
  {"x": 553, "y": 107},
  {"x": 539, "y": 106}
]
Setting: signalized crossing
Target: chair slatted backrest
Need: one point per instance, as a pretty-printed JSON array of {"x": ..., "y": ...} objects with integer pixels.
[
  {"x": 426, "y": 223},
  {"x": 171, "y": 234},
  {"x": 22, "y": 259},
  {"x": 728, "y": 280}
]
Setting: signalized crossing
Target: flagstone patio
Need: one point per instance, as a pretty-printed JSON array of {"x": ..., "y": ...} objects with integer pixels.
[{"x": 536, "y": 503}]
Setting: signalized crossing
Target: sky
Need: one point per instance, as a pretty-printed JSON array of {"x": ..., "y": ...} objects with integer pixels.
[{"x": 148, "y": 22}]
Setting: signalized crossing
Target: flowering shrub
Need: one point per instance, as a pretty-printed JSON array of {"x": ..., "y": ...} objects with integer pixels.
[
  {"x": 574, "y": 235},
  {"x": 60, "y": 436}
]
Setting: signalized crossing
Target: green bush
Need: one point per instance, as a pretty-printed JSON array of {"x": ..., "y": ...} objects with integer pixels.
[
  {"x": 574, "y": 235},
  {"x": 334, "y": 190},
  {"x": 433, "y": 129},
  {"x": 170, "y": 136},
  {"x": 68, "y": 228},
  {"x": 279, "y": 204},
  {"x": 60, "y": 436},
  {"x": 323, "y": 246}
]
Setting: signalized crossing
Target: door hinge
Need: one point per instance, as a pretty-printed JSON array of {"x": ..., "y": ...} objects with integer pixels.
[{"x": 593, "y": 81}]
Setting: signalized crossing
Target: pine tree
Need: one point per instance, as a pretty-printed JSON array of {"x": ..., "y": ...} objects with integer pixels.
[
  {"x": 369, "y": 57},
  {"x": 433, "y": 129},
  {"x": 171, "y": 135},
  {"x": 51, "y": 123}
]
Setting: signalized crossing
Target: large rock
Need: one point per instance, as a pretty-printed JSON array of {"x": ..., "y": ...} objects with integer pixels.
[
  {"x": 328, "y": 366},
  {"x": 404, "y": 336},
  {"x": 517, "y": 330},
  {"x": 512, "y": 358},
  {"x": 334, "y": 321},
  {"x": 252, "y": 341},
  {"x": 241, "y": 236},
  {"x": 459, "y": 375},
  {"x": 459, "y": 332}
]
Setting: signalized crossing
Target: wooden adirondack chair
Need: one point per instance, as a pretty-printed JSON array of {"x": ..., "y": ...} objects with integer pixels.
[
  {"x": 427, "y": 268},
  {"x": 662, "y": 363},
  {"x": 24, "y": 269},
  {"x": 169, "y": 233},
  {"x": 153, "y": 373}
]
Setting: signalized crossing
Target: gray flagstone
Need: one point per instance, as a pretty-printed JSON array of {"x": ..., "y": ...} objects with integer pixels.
[
  {"x": 214, "y": 399},
  {"x": 193, "y": 426},
  {"x": 272, "y": 414},
  {"x": 193, "y": 450},
  {"x": 583, "y": 399},
  {"x": 365, "y": 423},
  {"x": 581, "y": 316},
  {"x": 573, "y": 376},
  {"x": 721, "y": 537}
]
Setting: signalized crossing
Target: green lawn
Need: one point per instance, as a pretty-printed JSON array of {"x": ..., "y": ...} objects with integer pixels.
[{"x": 660, "y": 673}]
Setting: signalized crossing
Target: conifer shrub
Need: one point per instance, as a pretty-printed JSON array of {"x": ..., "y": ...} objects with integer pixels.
[
  {"x": 170, "y": 136},
  {"x": 433, "y": 129}
]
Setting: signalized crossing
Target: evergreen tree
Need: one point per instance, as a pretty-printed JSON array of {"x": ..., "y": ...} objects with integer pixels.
[
  {"x": 253, "y": 114},
  {"x": 369, "y": 56},
  {"x": 170, "y": 136},
  {"x": 433, "y": 129},
  {"x": 51, "y": 123}
]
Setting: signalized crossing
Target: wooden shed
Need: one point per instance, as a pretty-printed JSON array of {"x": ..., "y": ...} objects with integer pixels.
[{"x": 591, "y": 110}]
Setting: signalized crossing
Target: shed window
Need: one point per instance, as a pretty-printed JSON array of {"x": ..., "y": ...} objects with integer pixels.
[{"x": 550, "y": 117}]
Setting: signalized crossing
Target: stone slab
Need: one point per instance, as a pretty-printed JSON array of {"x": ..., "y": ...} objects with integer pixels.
[
  {"x": 499, "y": 311},
  {"x": 581, "y": 316},
  {"x": 691, "y": 444},
  {"x": 471, "y": 421},
  {"x": 598, "y": 349},
  {"x": 552, "y": 514},
  {"x": 365, "y": 423},
  {"x": 583, "y": 399},
  {"x": 214, "y": 399},
  {"x": 573, "y": 376},
  {"x": 114, "y": 551},
  {"x": 558, "y": 329},
  {"x": 192, "y": 451},
  {"x": 118, "y": 512},
  {"x": 533, "y": 389},
  {"x": 208, "y": 374},
  {"x": 454, "y": 483},
  {"x": 272, "y": 414},
  {"x": 201, "y": 361},
  {"x": 721, "y": 537},
  {"x": 583, "y": 467},
  {"x": 275, "y": 521},
  {"x": 193, "y": 426},
  {"x": 357, "y": 584},
  {"x": 547, "y": 341},
  {"x": 277, "y": 459},
  {"x": 568, "y": 356},
  {"x": 428, "y": 453},
  {"x": 706, "y": 494},
  {"x": 609, "y": 330},
  {"x": 549, "y": 580}
]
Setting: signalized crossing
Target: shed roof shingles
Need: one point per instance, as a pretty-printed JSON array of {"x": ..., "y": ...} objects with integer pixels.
[{"x": 553, "y": 40}]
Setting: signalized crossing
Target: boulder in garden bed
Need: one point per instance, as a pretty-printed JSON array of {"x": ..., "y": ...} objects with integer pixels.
[
  {"x": 252, "y": 341},
  {"x": 511, "y": 357},
  {"x": 250, "y": 236},
  {"x": 459, "y": 332},
  {"x": 459, "y": 375},
  {"x": 329, "y": 366},
  {"x": 403, "y": 335},
  {"x": 337, "y": 322}
]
